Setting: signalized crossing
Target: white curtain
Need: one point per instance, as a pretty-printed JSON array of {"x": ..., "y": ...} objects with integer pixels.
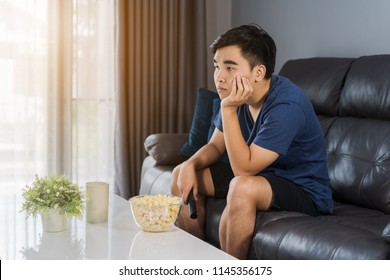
[
  {"x": 93, "y": 90},
  {"x": 56, "y": 90}
]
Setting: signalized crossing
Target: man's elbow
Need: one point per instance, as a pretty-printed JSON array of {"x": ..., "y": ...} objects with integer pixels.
[{"x": 243, "y": 172}]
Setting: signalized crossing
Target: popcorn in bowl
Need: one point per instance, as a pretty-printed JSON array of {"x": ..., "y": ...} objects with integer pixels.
[{"x": 155, "y": 212}]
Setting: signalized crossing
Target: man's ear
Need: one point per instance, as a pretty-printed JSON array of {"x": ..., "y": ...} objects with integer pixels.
[{"x": 260, "y": 72}]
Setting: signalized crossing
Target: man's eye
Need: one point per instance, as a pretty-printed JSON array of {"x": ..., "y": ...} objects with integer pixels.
[
  {"x": 230, "y": 68},
  {"x": 216, "y": 66}
]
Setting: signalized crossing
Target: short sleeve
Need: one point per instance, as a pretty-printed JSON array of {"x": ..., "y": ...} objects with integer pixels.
[
  {"x": 218, "y": 121},
  {"x": 279, "y": 126}
]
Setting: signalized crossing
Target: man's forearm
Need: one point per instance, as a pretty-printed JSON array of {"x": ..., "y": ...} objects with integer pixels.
[
  {"x": 238, "y": 150},
  {"x": 205, "y": 156}
]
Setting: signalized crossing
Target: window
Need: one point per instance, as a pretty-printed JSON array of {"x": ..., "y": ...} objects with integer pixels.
[{"x": 56, "y": 86}]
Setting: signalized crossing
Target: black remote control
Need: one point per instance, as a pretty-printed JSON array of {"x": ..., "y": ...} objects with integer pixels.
[{"x": 192, "y": 206}]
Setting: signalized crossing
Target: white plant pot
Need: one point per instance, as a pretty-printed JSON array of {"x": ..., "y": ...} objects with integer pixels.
[{"x": 53, "y": 221}]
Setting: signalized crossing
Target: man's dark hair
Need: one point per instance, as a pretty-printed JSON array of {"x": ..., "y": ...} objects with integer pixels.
[{"x": 256, "y": 46}]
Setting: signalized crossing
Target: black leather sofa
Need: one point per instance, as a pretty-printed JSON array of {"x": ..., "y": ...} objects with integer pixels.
[{"x": 351, "y": 97}]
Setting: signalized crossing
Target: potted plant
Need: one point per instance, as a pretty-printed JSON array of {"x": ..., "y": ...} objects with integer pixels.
[{"x": 55, "y": 198}]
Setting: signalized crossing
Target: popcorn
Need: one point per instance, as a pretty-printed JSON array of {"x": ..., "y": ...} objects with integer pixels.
[{"x": 155, "y": 212}]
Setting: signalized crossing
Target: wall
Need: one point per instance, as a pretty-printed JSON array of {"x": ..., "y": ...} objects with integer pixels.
[
  {"x": 218, "y": 17},
  {"x": 307, "y": 28}
]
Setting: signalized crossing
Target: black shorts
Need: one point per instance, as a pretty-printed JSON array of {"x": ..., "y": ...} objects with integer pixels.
[{"x": 287, "y": 196}]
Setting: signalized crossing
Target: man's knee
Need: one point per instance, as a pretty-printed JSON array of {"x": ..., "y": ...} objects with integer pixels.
[
  {"x": 237, "y": 190},
  {"x": 249, "y": 190},
  {"x": 238, "y": 186}
]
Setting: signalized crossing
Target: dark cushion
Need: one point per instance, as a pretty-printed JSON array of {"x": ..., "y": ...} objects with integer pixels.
[
  {"x": 358, "y": 162},
  {"x": 216, "y": 107},
  {"x": 366, "y": 92},
  {"x": 320, "y": 78},
  {"x": 201, "y": 122}
]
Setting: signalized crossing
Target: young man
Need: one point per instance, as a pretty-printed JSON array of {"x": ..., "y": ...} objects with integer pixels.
[{"x": 273, "y": 140}]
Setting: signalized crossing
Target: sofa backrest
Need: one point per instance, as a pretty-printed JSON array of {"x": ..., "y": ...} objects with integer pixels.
[{"x": 352, "y": 100}]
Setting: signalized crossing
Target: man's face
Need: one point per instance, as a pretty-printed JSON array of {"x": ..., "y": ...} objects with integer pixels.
[{"x": 229, "y": 63}]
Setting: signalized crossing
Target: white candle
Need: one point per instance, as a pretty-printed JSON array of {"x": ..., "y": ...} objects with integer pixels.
[{"x": 97, "y": 202}]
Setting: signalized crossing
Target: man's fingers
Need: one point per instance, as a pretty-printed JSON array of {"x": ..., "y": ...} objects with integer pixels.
[
  {"x": 195, "y": 193},
  {"x": 234, "y": 87},
  {"x": 239, "y": 85},
  {"x": 247, "y": 86}
]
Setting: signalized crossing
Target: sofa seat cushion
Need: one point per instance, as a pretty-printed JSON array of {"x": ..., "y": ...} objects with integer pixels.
[
  {"x": 370, "y": 220},
  {"x": 316, "y": 238},
  {"x": 350, "y": 233},
  {"x": 215, "y": 207}
]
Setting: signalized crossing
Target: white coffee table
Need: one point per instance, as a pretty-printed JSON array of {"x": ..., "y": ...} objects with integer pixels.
[{"x": 118, "y": 239}]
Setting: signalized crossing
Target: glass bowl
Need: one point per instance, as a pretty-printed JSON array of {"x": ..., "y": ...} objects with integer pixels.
[{"x": 155, "y": 213}]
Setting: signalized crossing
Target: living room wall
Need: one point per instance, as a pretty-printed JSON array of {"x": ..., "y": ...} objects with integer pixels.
[{"x": 307, "y": 28}]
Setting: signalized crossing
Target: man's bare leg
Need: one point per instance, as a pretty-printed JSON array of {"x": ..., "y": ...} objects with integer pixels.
[{"x": 247, "y": 195}]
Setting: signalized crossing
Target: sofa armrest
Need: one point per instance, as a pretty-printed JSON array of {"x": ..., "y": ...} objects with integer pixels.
[
  {"x": 386, "y": 233},
  {"x": 164, "y": 148}
]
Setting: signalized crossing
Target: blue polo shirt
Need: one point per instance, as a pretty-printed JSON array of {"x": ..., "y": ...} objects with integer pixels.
[{"x": 288, "y": 125}]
